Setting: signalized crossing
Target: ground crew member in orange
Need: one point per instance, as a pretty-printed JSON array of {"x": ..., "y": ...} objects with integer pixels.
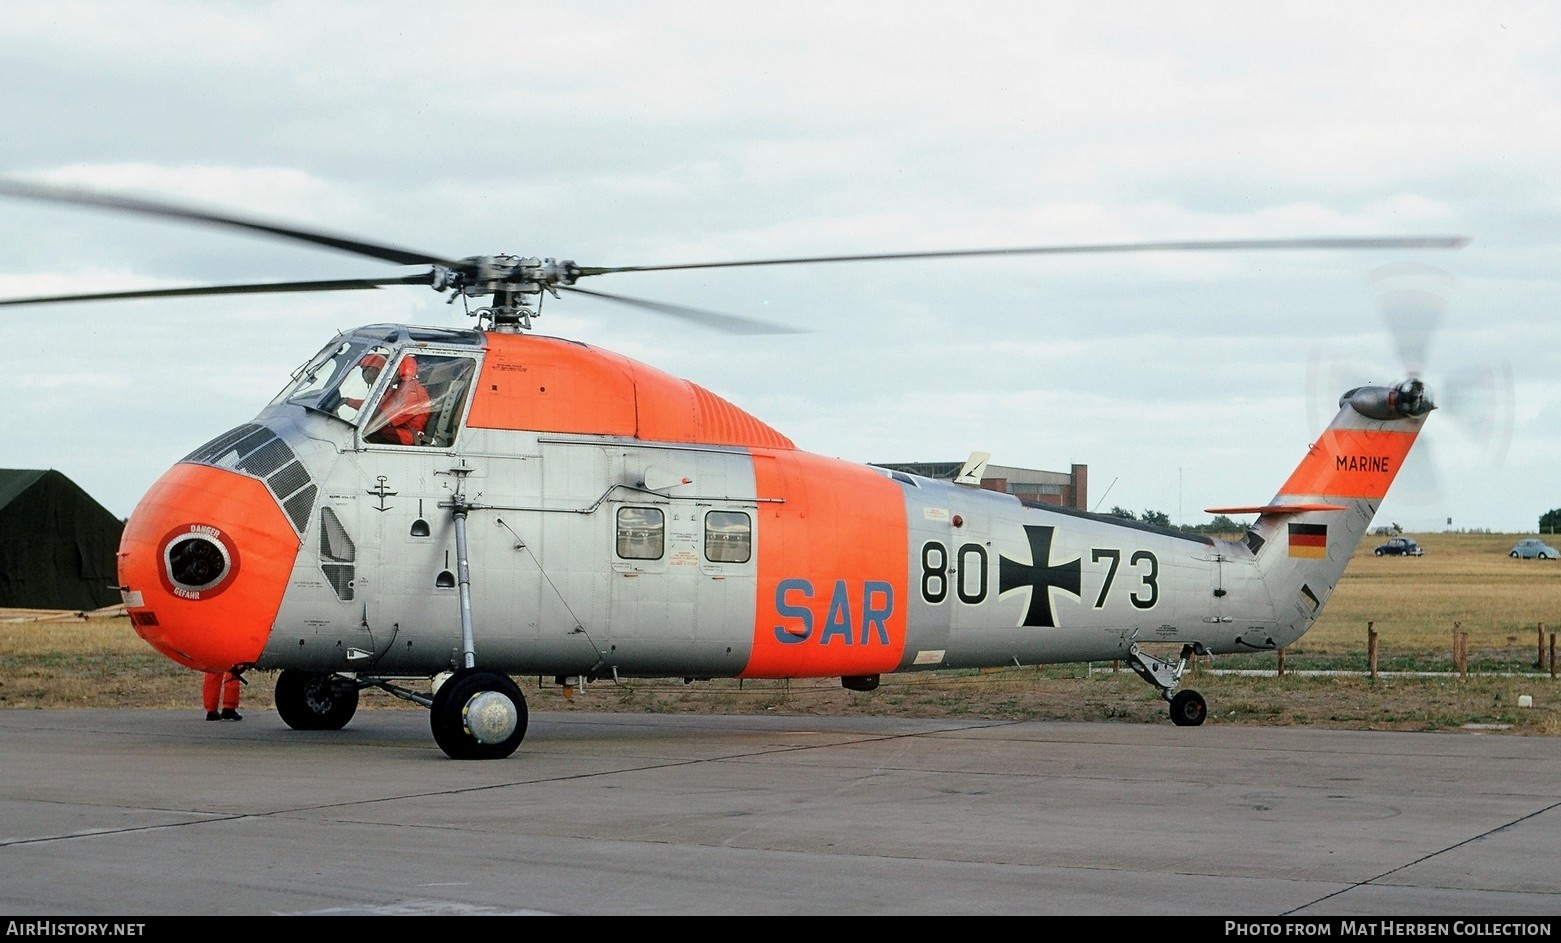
[{"x": 220, "y": 690}]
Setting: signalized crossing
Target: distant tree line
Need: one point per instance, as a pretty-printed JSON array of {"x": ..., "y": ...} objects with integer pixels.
[
  {"x": 1219, "y": 525},
  {"x": 1549, "y": 523}
]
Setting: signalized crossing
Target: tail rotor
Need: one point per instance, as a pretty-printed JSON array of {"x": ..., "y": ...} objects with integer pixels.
[{"x": 1476, "y": 401}]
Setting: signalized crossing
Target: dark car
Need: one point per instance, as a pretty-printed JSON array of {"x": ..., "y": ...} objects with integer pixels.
[{"x": 1400, "y": 547}]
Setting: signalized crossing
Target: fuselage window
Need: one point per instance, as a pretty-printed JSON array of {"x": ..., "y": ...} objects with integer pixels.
[
  {"x": 728, "y": 537},
  {"x": 642, "y": 533}
]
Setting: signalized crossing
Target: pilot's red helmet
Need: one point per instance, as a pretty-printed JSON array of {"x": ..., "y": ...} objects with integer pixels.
[
  {"x": 377, "y": 361},
  {"x": 407, "y": 368}
]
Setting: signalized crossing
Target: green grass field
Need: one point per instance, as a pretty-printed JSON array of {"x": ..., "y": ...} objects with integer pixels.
[{"x": 1465, "y": 586}]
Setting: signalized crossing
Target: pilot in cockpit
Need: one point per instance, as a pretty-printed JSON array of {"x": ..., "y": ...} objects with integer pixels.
[{"x": 402, "y": 414}]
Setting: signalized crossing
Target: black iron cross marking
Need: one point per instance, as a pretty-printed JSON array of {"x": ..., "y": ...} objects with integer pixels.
[
  {"x": 1041, "y": 576},
  {"x": 382, "y": 494}
]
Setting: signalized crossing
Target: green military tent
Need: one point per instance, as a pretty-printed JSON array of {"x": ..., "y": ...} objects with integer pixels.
[{"x": 57, "y": 544}]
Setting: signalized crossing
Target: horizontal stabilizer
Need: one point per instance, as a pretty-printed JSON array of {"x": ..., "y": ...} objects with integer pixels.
[{"x": 1277, "y": 509}]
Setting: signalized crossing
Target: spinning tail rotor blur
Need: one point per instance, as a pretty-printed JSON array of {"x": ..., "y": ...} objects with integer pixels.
[{"x": 1475, "y": 400}]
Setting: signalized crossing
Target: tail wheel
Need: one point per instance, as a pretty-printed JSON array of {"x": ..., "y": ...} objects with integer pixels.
[
  {"x": 315, "y": 700},
  {"x": 1188, "y": 709},
  {"x": 478, "y": 714}
]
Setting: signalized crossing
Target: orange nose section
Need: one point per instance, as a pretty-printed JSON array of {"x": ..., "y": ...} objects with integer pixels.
[{"x": 204, "y": 562}]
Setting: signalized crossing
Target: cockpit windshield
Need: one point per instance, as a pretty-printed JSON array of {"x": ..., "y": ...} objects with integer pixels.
[
  {"x": 318, "y": 384},
  {"x": 421, "y": 397}
]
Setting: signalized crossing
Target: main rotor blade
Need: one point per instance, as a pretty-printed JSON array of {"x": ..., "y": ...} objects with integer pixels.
[
  {"x": 1216, "y": 245},
  {"x": 730, "y": 323},
  {"x": 38, "y": 191},
  {"x": 349, "y": 284}
]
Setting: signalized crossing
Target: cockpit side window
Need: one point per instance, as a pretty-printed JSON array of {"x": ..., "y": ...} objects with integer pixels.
[
  {"x": 415, "y": 397},
  {"x": 420, "y": 403},
  {"x": 449, "y": 382}
]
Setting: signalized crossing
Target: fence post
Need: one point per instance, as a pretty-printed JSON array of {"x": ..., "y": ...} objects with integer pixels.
[
  {"x": 1371, "y": 649},
  {"x": 1463, "y": 655},
  {"x": 1457, "y": 656},
  {"x": 1552, "y": 654},
  {"x": 1539, "y": 656},
  {"x": 1281, "y": 663}
]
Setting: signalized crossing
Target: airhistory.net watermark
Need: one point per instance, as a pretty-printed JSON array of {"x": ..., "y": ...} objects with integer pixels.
[{"x": 72, "y": 928}]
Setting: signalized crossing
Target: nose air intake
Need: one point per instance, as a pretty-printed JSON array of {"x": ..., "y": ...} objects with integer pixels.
[
  {"x": 205, "y": 557},
  {"x": 198, "y": 562}
]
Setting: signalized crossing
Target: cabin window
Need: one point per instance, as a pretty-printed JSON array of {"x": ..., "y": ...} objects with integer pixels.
[
  {"x": 728, "y": 537},
  {"x": 642, "y": 533}
]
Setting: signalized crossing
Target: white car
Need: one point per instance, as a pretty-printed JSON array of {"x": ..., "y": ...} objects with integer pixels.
[{"x": 1532, "y": 549}]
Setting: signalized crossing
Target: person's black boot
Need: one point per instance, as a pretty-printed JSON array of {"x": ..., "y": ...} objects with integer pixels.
[
  {"x": 228, "y": 713},
  {"x": 213, "y": 715}
]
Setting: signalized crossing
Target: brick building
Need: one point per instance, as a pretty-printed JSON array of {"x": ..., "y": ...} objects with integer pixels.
[{"x": 1069, "y": 489}]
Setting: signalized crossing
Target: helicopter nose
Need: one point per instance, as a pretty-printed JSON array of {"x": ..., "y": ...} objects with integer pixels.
[{"x": 203, "y": 565}]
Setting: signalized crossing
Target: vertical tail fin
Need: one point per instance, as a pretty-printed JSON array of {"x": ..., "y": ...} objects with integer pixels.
[
  {"x": 1325, "y": 507},
  {"x": 1359, "y": 454}
]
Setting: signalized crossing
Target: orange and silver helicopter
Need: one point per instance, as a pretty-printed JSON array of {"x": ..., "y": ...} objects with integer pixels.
[{"x": 431, "y": 511}]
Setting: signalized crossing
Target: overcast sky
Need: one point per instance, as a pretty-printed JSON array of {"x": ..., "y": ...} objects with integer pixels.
[{"x": 654, "y": 133}]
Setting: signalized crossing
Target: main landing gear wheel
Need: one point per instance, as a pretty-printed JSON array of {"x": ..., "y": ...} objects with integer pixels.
[
  {"x": 1188, "y": 709},
  {"x": 314, "y": 700},
  {"x": 478, "y": 714}
]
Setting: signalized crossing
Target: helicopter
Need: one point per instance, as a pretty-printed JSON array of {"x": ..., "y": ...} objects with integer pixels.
[{"x": 432, "y": 511}]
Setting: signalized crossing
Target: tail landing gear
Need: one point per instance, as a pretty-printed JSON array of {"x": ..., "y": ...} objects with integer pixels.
[{"x": 1188, "y": 709}]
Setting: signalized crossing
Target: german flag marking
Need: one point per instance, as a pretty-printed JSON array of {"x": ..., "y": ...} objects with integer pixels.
[{"x": 1309, "y": 540}]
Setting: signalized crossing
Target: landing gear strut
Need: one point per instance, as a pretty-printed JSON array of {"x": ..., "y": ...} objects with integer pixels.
[
  {"x": 477, "y": 713},
  {"x": 1188, "y": 709}
]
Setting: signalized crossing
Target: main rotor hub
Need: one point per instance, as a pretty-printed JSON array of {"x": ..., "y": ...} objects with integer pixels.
[{"x": 515, "y": 284}]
